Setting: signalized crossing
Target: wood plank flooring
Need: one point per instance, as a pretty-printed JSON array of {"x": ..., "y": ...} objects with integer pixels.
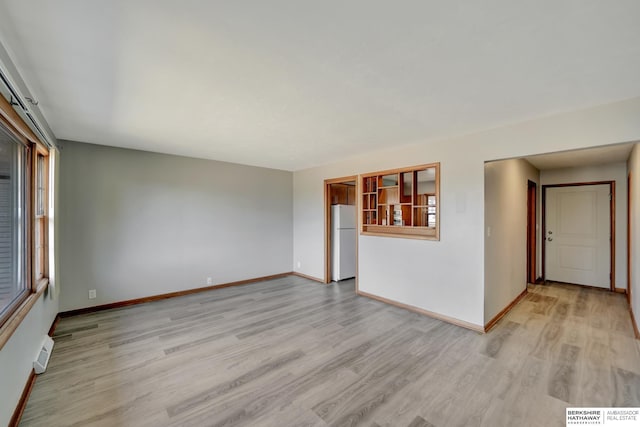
[{"x": 291, "y": 352}]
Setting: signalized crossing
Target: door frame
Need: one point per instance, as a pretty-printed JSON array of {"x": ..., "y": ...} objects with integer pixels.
[
  {"x": 327, "y": 222},
  {"x": 629, "y": 239},
  {"x": 612, "y": 226},
  {"x": 532, "y": 189}
]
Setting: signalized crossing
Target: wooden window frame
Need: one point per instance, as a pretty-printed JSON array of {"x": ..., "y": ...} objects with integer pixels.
[
  {"x": 35, "y": 284},
  {"x": 40, "y": 218},
  {"x": 24, "y": 294},
  {"x": 372, "y": 193}
]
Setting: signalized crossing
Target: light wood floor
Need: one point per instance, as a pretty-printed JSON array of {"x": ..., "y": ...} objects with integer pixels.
[{"x": 289, "y": 352}]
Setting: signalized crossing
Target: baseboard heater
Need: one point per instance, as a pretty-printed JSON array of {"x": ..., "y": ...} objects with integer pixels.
[{"x": 41, "y": 362}]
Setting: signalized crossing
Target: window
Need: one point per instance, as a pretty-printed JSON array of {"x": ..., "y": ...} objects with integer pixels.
[
  {"x": 41, "y": 222},
  {"x": 14, "y": 280},
  {"x": 402, "y": 202},
  {"x": 24, "y": 172}
]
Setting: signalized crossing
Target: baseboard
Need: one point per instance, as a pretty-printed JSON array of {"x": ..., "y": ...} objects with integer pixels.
[
  {"x": 621, "y": 290},
  {"x": 635, "y": 325},
  {"x": 315, "y": 279},
  {"x": 143, "y": 300},
  {"x": 26, "y": 392},
  {"x": 24, "y": 398},
  {"x": 452, "y": 320},
  {"x": 491, "y": 323},
  {"x": 52, "y": 329}
]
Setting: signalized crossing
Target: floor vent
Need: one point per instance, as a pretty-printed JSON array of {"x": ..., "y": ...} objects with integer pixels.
[{"x": 40, "y": 364}]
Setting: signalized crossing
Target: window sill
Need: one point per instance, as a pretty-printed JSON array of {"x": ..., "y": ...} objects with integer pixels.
[
  {"x": 12, "y": 323},
  {"x": 422, "y": 233}
]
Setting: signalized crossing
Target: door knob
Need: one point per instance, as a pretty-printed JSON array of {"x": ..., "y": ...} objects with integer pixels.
[
  {"x": 550, "y": 232},
  {"x": 550, "y": 239}
]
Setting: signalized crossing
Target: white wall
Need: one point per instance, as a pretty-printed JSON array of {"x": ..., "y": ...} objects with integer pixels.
[
  {"x": 634, "y": 167},
  {"x": 610, "y": 172},
  {"x": 18, "y": 354},
  {"x": 447, "y": 277},
  {"x": 135, "y": 224},
  {"x": 505, "y": 249}
]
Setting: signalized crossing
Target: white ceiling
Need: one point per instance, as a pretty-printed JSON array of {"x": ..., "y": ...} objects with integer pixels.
[
  {"x": 587, "y": 157},
  {"x": 293, "y": 84}
]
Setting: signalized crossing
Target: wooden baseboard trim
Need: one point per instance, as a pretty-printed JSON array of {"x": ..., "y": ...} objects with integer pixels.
[
  {"x": 491, "y": 323},
  {"x": 24, "y": 398},
  {"x": 452, "y": 320},
  {"x": 621, "y": 290},
  {"x": 151, "y": 298},
  {"x": 635, "y": 325},
  {"x": 52, "y": 329},
  {"x": 315, "y": 279},
  {"x": 26, "y": 392}
]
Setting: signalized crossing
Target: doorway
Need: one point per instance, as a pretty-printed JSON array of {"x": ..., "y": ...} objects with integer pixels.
[
  {"x": 341, "y": 224},
  {"x": 532, "y": 189},
  {"x": 579, "y": 233}
]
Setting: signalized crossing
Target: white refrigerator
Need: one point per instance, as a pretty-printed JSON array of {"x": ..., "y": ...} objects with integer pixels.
[{"x": 343, "y": 242}]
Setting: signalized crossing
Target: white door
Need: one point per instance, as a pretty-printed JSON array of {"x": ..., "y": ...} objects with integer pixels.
[{"x": 577, "y": 235}]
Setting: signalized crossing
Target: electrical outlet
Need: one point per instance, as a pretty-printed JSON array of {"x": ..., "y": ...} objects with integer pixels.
[
  {"x": 92, "y": 293},
  {"x": 209, "y": 280},
  {"x": 299, "y": 264}
]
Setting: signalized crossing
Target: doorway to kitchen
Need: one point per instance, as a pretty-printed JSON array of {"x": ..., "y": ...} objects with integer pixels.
[{"x": 341, "y": 229}]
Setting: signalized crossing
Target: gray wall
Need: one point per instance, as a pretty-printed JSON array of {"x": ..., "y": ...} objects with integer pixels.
[
  {"x": 505, "y": 271},
  {"x": 135, "y": 224}
]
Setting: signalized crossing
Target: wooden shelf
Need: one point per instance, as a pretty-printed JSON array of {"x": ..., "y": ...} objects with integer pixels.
[
  {"x": 399, "y": 231},
  {"x": 402, "y": 202},
  {"x": 388, "y": 196}
]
